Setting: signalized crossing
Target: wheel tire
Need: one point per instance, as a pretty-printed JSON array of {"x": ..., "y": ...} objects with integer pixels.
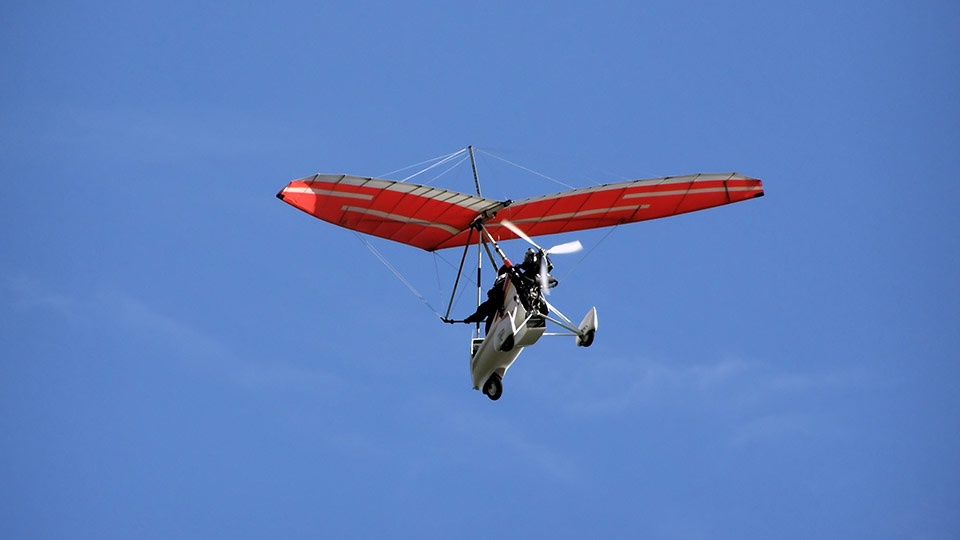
[
  {"x": 587, "y": 340},
  {"x": 493, "y": 388}
]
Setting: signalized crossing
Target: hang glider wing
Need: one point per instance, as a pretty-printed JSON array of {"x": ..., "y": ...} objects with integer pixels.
[
  {"x": 625, "y": 202},
  {"x": 420, "y": 216},
  {"x": 431, "y": 218}
]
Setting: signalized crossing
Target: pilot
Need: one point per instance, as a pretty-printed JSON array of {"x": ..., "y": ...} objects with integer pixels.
[{"x": 530, "y": 267}]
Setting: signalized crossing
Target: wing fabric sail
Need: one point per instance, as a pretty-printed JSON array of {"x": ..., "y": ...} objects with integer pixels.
[
  {"x": 625, "y": 202},
  {"x": 411, "y": 214},
  {"x": 432, "y": 218}
]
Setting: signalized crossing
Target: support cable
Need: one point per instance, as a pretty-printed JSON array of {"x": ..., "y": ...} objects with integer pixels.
[
  {"x": 589, "y": 251},
  {"x": 436, "y": 271},
  {"x": 531, "y": 171},
  {"x": 448, "y": 169},
  {"x": 431, "y": 160},
  {"x": 397, "y": 273},
  {"x": 437, "y": 164}
]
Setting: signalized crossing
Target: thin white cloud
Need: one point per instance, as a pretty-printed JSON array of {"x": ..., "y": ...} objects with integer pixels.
[
  {"x": 619, "y": 385},
  {"x": 27, "y": 294},
  {"x": 213, "y": 354},
  {"x": 779, "y": 427},
  {"x": 501, "y": 433},
  {"x": 192, "y": 348},
  {"x": 745, "y": 402}
]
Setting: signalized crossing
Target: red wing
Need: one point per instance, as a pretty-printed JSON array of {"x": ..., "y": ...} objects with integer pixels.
[
  {"x": 412, "y": 214},
  {"x": 432, "y": 218},
  {"x": 625, "y": 202}
]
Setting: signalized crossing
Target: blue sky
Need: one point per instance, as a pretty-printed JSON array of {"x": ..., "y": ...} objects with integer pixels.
[{"x": 184, "y": 356}]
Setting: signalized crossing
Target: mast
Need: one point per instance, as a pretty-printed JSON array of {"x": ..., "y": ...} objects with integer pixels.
[
  {"x": 479, "y": 283},
  {"x": 476, "y": 182},
  {"x": 473, "y": 163}
]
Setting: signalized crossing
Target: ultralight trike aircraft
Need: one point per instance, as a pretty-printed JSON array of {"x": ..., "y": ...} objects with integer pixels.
[{"x": 516, "y": 312}]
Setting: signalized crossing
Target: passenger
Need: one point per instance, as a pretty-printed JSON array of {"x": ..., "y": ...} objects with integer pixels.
[{"x": 488, "y": 309}]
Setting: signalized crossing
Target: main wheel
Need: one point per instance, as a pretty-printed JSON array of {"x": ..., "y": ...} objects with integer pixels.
[
  {"x": 587, "y": 340},
  {"x": 493, "y": 388}
]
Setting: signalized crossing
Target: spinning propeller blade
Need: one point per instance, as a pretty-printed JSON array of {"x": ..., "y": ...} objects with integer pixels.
[
  {"x": 544, "y": 277},
  {"x": 560, "y": 249},
  {"x": 563, "y": 249},
  {"x": 516, "y": 230}
]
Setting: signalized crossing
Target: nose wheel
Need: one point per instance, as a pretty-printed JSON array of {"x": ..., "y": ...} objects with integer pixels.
[{"x": 493, "y": 388}]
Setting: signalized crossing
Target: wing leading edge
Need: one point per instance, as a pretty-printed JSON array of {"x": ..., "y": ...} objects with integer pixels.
[{"x": 432, "y": 218}]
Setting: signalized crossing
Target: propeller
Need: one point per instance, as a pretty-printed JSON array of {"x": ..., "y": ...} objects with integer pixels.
[
  {"x": 516, "y": 230},
  {"x": 559, "y": 249},
  {"x": 566, "y": 248}
]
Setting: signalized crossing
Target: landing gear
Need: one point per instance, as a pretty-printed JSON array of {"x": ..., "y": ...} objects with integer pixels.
[
  {"x": 493, "y": 388},
  {"x": 587, "y": 339}
]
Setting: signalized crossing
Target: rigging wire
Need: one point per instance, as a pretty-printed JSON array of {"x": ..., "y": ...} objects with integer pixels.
[
  {"x": 589, "y": 251},
  {"x": 517, "y": 165},
  {"x": 436, "y": 270},
  {"x": 472, "y": 283},
  {"x": 437, "y": 164},
  {"x": 450, "y": 168},
  {"x": 431, "y": 160},
  {"x": 397, "y": 273}
]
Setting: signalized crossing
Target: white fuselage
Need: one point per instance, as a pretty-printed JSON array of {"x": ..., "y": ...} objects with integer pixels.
[{"x": 512, "y": 329}]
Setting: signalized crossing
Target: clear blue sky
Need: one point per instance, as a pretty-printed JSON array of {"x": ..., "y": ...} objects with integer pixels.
[{"x": 183, "y": 356}]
